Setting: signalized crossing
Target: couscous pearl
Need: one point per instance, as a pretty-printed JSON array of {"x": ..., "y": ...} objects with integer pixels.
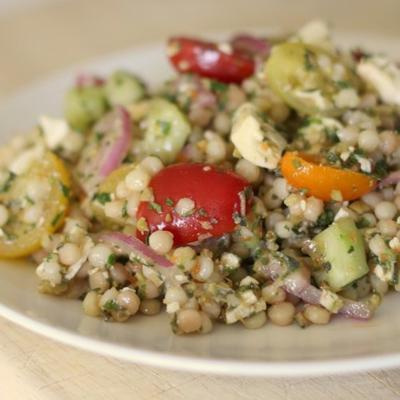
[
  {"x": 121, "y": 191},
  {"x": 387, "y": 227},
  {"x": 114, "y": 209},
  {"x": 314, "y": 208},
  {"x": 248, "y": 170},
  {"x": 385, "y": 210},
  {"x": 388, "y": 193},
  {"x": 273, "y": 218},
  {"x": 368, "y": 140},
  {"x": 129, "y": 300},
  {"x": 388, "y": 142},
  {"x": 272, "y": 294},
  {"x": 161, "y": 241},
  {"x": 150, "y": 307},
  {"x": 90, "y": 304},
  {"x": 38, "y": 189},
  {"x": 216, "y": 150},
  {"x": 204, "y": 269},
  {"x": 4, "y": 214},
  {"x": 151, "y": 291},
  {"x": 189, "y": 321},
  {"x": 379, "y": 286},
  {"x": 372, "y": 199},
  {"x": 317, "y": 314},
  {"x": 348, "y": 135},
  {"x": 152, "y": 165},
  {"x": 185, "y": 256},
  {"x": 281, "y": 314},
  {"x": 138, "y": 179},
  {"x": 271, "y": 200},
  {"x": 212, "y": 308},
  {"x": 256, "y": 321},
  {"x": 222, "y": 123},
  {"x": 98, "y": 281},
  {"x": 184, "y": 206},
  {"x": 369, "y": 218},
  {"x": 32, "y": 214},
  {"x": 69, "y": 254},
  {"x": 283, "y": 229},
  {"x": 133, "y": 204},
  {"x": 175, "y": 294},
  {"x": 377, "y": 245},
  {"x": 99, "y": 254},
  {"x": 281, "y": 188}
]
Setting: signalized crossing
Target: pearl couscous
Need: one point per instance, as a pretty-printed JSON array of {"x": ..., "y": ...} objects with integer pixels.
[{"x": 263, "y": 189}]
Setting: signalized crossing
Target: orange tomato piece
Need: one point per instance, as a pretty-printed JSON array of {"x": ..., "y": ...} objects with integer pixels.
[{"x": 325, "y": 182}]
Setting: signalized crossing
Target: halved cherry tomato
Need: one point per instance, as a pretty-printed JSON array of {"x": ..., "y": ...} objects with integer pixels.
[
  {"x": 20, "y": 238},
  {"x": 208, "y": 60},
  {"x": 219, "y": 197},
  {"x": 305, "y": 172}
]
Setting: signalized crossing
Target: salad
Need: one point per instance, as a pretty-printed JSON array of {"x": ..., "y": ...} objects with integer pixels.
[{"x": 260, "y": 184}]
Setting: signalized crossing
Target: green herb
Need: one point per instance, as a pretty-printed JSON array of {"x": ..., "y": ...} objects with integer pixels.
[
  {"x": 297, "y": 228},
  {"x": 111, "y": 305},
  {"x": 7, "y": 184},
  {"x": 165, "y": 127},
  {"x": 325, "y": 219},
  {"x": 308, "y": 62},
  {"x": 202, "y": 212},
  {"x": 57, "y": 218},
  {"x": 331, "y": 133},
  {"x": 332, "y": 158},
  {"x": 125, "y": 209},
  {"x": 65, "y": 189},
  {"x": 169, "y": 202},
  {"x": 216, "y": 86},
  {"x": 310, "y": 121},
  {"x": 342, "y": 84},
  {"x": 111, "y": 260},
  {"x": 297, "y": 163},
  {"x": 99, "y": 136},
  {"x": 29, "y": 200},
  {"x": 102, "y": 197},
  {"x": 155, "y": 207},
  {"x": 381, "y": 168},
  {"x": 350, "y": 250}
]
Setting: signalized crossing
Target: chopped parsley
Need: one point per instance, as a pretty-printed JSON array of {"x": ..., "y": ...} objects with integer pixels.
[
  {"x": 342, "y": 84},
  {"x": 155, "y": 207},
  {"x": 296, "y": 163},
  {"x": 381, "y": 168},
  {"x": 57, "y": 218},
  {"x": 165, "y": 127},
  {"x": 111, "y": 260},
  {"x": 102, "y": 197},
  {"x": 350, "y": 250},
  {"x": 99, "y": 136},
  {"x": 5, "y": 187},
  {"x": 216, "y": 86},
  {"x": 65, "y": 189},
  {"x": 169, "y": 202},
  {"x": 332, "y": 158},
  {"x": 308, "y": 62},
  {"x": 125, "y": 209},
  {"x": 111, "y": 305},
  {"x": 325, "y": 219}
]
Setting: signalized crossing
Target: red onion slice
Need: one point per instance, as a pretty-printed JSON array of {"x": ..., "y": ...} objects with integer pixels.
[
  {"x": 107, "y": 146},
  {"x": 251, "y": 45},
  {"x": 298, "y": 284},
  {"x": 131, "y": 245},
  {"x": 85, "y": 80},
  {"x": 391, "y": 179}
]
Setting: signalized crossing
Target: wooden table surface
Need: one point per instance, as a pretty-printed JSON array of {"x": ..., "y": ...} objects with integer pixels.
[{"x": 41, "y": 39}]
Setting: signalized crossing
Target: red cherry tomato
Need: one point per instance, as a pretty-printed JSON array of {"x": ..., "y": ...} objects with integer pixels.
[
  {"x": 219, "y": 196},
  {"x": 208, "y": 60}
]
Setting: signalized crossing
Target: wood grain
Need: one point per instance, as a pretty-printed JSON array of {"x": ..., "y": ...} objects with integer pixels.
[{"x": 40, "y": 40}]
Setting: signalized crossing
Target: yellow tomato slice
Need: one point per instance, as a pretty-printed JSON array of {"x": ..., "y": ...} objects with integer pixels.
[
  {"x": 19, "y": 238},
  {"x": 304, "y": 172}
]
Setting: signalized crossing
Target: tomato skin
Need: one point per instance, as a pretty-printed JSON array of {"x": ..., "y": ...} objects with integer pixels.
[
  {"x": 207, "y": 60},
  {"x": 215, "y": 193}
]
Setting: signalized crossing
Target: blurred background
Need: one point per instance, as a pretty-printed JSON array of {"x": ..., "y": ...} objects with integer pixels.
[{"x": 41, "y": 36}]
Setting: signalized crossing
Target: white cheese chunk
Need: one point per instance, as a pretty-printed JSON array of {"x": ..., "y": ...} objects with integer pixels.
[
  {"x": 55, "y": 131},
  {"x": 256, "y": 140},
  {"x": 384, "y": 76}
]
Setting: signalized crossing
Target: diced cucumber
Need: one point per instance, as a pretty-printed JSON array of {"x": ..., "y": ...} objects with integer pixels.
[
  {"x": 340, "y": 249},
  {"x": 124, "y": 88},
  {"x": 166, "y": 130}
]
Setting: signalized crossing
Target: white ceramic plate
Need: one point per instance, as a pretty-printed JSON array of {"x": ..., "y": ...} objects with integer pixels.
[{"x": 343, "y": 346}]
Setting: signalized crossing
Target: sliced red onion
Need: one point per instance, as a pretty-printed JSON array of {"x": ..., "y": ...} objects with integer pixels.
[
  {"x": 298, "y": 284},
  {"x": 251, "y": 45},
  {"x": 85, "y": 80},
  {"x": 391, "y": 179},
  {"x": 107, "y": 146},
  {"x": 131, "y": 245}
]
